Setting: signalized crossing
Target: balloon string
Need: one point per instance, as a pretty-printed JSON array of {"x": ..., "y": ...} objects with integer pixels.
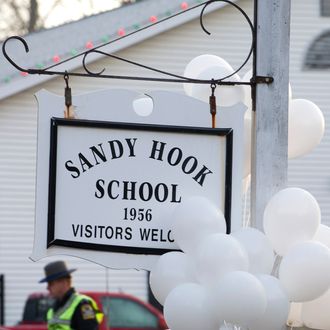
[
  {"x": 276, "y": 265},
  {"x": 231, "y": 326},
  {"x": 246, "y": 214}
]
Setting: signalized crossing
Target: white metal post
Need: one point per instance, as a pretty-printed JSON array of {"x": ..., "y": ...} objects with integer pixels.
[{"x": 270, "y": 128}]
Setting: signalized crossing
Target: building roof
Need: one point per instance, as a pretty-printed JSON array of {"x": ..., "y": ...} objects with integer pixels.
[{"x": 46, "y": 47}]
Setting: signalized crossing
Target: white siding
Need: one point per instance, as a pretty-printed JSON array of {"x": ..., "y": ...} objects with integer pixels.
[
  {"x": 311, "y": 172},
  {"x": 170, "y": 51}
]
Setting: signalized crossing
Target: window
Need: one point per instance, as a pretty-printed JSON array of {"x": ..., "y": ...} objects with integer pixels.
[
  {"x": 36, "y": 309},
  {"x": 125, "y": 313},
  {"x": 325, "y": 8},
  {"x": 318, "y": 54}
]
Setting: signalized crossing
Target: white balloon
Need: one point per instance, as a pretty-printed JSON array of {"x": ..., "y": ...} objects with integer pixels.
[
  {"x": 305, "y": 271},
  {"x": 228, "y": 326},
  {"x": 323, "y": 235},
  {"x": 277, "y": 309},
  {"x": 194, "y": 219},
  {"x": 239, "y": 298},
  {"x": 295, "y": 317},
  {"x": 292, "y": 215},
  {"x": 226, "y": 95},
  {"x": 171, "y": 270},
  {"x": 218, "y": 254},
  {"x": 306, "y": 127},
  {"x": 315, "y": 313},
  {"x": 188, "y": 307},
  {"x": 143, "y": 106},
  {"x": 258, "y": 248},
  {"x": 199, "y": 64}
]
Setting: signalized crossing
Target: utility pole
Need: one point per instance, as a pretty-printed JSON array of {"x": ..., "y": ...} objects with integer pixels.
[{"x": 270, "y": 120}]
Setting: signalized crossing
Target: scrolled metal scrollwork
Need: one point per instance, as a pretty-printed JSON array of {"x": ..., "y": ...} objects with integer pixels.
[
  {"x": 5, "y": 54},
  {"x": 250, "y": 25},
  {"x": 171, "y": 77}
]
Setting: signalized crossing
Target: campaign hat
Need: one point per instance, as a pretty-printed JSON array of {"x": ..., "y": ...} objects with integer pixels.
[{"x": 56, "y": 270}]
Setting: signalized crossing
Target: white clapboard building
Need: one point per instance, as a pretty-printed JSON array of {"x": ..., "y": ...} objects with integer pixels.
[{"x": 168, "y": 46}]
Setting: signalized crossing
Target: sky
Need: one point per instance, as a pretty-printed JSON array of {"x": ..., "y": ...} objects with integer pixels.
[
  {"x": 53, "y": 12},
  {"x": 73, "y": 10}
]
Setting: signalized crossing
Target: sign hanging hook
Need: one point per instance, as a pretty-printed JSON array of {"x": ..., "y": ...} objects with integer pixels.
[
  {"x": 213, "y": 102},
  {"x": 68, "y": 113}
]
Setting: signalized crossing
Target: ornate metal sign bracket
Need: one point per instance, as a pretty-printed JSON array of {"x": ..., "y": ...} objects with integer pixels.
[{"x": 172, "y": 78}]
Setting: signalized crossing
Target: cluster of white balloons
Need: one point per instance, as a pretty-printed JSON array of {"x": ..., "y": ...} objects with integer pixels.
[
  {"x": 219, "y": 280},
  {"x": 222, "y": 281},
  {"x": 249, "y": 279},
  {"x": 306, "y": 121},
  {"x": 292, "y": 222},
  {"x": 188, "y": 283},
  {"x": 314, "y": 313}
]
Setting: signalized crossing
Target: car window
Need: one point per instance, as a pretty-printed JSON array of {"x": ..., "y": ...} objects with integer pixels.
[
  {"x": 125, "y": 313},
  {"x": 36, "y": 309}
]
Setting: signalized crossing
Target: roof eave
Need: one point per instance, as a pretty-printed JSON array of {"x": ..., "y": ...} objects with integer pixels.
[{"x": 33, "y": 80}]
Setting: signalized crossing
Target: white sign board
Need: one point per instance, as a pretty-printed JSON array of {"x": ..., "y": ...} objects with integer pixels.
[
  {"x": 109, "y": 180},
  {"x": 114, "y": 186}
]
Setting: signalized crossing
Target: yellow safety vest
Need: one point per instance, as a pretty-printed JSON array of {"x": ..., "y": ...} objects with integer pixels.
[{"x": 61, "y": 319}]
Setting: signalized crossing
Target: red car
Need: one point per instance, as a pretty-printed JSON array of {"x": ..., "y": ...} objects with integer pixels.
[{"x": 121, "y": 312}]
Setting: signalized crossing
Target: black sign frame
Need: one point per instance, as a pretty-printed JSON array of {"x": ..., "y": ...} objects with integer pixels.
[{"x": 227, "y": 133}]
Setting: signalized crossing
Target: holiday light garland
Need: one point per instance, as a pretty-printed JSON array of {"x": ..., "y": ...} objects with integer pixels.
[{"x": 121, "y": 32}]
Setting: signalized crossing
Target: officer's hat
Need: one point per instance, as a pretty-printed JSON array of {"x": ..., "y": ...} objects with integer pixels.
[{"x": 55, "y": 270}]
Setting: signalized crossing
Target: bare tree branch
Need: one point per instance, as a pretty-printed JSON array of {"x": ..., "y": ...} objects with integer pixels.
[
  {"x": 24, "y": 16},
  {"x": 16, "y": 9},
  {"x": 33, "y": 16}
]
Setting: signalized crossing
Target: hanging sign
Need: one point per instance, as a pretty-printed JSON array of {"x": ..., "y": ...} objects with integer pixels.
[
  {"x": 109, "y": 180},
  {"x": 113, "y": 186}
]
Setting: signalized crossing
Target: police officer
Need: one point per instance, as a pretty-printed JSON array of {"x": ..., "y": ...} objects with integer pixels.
[{"x": 72, "y": 311}]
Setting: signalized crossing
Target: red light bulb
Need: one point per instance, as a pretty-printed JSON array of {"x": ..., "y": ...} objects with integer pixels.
[
  {"x": 89, "y": 45},
  {"x": 184, "y": 5},
  {"x": 121, "y": 32},
  {"x": 56, "y": 58}
]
